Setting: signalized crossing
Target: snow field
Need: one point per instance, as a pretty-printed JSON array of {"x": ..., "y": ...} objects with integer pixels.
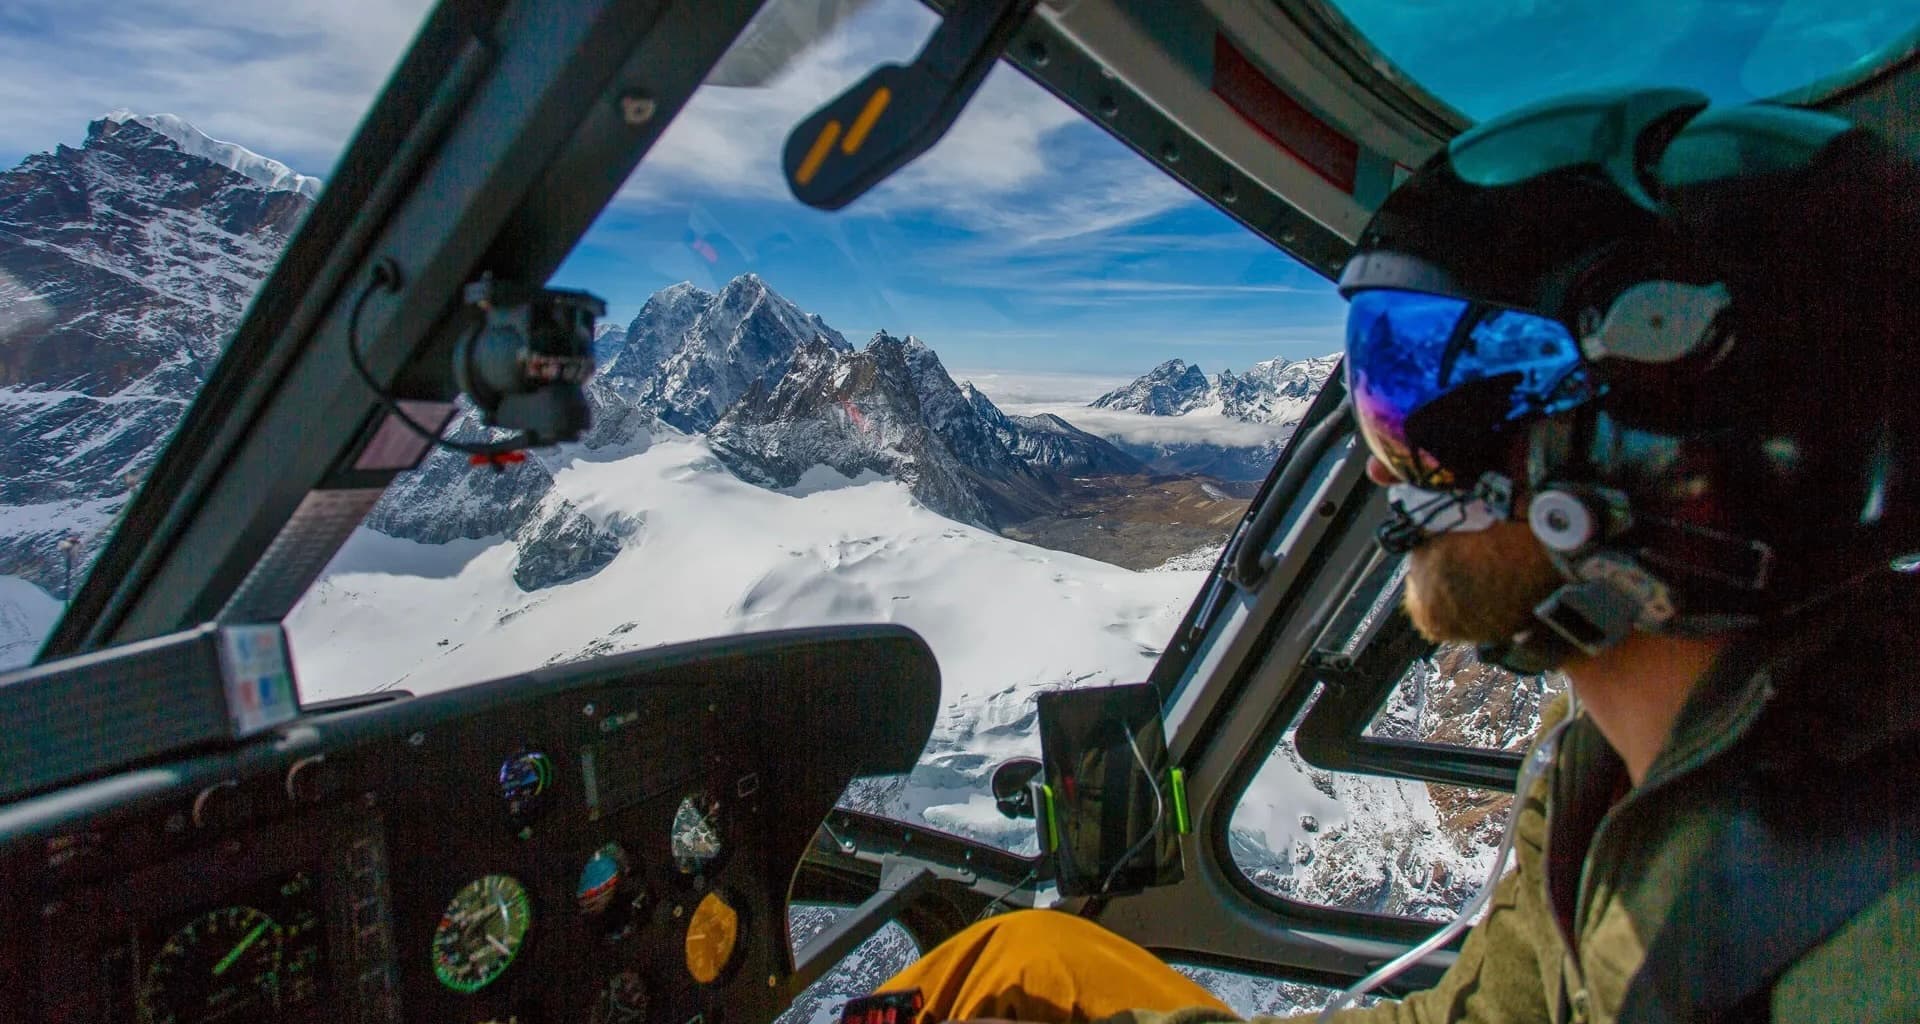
[
  {"x": 709, "y": 555},
  {"x": 27, "y": 614}
]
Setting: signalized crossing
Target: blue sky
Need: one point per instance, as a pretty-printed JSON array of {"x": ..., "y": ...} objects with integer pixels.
[{"x": 1026, "y": 241}]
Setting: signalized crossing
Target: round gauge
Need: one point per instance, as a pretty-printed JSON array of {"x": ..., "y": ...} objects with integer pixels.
[
  {"x": 623, "y": 1001},
  {"x": 600, "y": 879},
  {"x": 696, "y": 835},
  {"x": 222, "y": 965},
  {"x": 713, "y": 936},
  {"x": 480, "y": 933},
  {"x": 523, "y": 778}
]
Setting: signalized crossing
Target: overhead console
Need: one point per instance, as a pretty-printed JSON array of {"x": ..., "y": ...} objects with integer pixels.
[{"x": 606, "y": 841}]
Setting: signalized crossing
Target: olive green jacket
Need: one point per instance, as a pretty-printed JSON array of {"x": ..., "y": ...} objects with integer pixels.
[{"x": 1787, "y": 744}]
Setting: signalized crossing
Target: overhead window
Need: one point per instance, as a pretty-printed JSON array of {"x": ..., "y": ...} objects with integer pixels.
[{"x": 1486, "y": 59}]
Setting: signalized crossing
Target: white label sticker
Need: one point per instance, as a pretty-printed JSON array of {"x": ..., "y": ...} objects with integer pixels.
[{"x": 259, "y": 681}]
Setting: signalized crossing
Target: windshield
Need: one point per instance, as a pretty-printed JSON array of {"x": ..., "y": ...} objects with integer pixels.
[
  {"x": 1486, "y": 59},
  {"x": 1014, "y": 399},
  {"x": 161, "y": 155}
]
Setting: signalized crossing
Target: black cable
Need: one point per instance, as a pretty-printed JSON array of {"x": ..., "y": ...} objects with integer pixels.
[
  {"x": 1001, "y": 900},
  {"x": 385, "y": 278}
]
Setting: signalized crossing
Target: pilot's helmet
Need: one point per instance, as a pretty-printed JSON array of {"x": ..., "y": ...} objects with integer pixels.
[{"x": 1677, "y": 336}]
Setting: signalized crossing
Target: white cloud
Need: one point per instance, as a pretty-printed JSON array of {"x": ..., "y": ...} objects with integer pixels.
[
  {"x": 290, "y": 84},
  {"x": 294, "y": 85},
  {"x": 1008, "y": 388},
  {"x": 1122, "y": 288},
  {"x": 999, "y": 170},
  {"x": 1139, "y": 428}
]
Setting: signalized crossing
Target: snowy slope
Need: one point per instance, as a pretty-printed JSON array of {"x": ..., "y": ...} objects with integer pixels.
[
  {"x": 27, "y": 613},
  {"x": 711, "y": 555},
  {"x": 193, "y": 141},
  {"x": 707, "y": 554}
]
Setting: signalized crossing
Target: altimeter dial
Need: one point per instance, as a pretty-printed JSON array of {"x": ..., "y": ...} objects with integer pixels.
[
  {"x": 481, "y": 933},
  {"x": 222, "y": 965}
]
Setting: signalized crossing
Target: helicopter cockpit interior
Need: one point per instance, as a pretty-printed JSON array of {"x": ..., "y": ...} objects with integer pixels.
[{"x": 707, "y": 827}]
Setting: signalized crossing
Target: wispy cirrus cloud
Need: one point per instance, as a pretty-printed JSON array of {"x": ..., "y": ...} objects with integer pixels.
[
  {"x": 289, "y": 81},
  {"x": 997, "y": 171}
]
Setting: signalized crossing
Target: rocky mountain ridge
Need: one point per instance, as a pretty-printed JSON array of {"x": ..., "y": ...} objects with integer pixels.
[
  {"x": 1048, "y": 442},
  {"x": 890, "y": 409},
  {"x": 1274, "y": 391},
  {"x": 690, "y": 354},
  {"x": 124, "y": 265},
  {"x": 269, "y": 172}
]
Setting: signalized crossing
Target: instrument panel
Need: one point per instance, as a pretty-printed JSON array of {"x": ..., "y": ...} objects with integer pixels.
[{"x": 608, "y": 841}]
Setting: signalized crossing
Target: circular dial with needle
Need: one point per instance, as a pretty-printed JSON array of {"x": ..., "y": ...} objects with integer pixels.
[
  {"x": 481, "y": 932},
  {"x": 713, "y": 936},
  {"x": 222, "y": 965}
]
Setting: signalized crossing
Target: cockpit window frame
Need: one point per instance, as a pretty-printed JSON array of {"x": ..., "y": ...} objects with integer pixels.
[{"x": 1332, "y": 733}]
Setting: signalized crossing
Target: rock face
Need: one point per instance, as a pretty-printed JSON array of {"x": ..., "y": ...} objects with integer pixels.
[
  {"x": 1173, "y": 388},
  {"x": 1049, "y": 443},
  {"x": 124, "y": 265},
  {"x": 689, "y": 354},
  {"x": 1457, "y": 699},
  {"x": 889, "y": 409},
  {"x": 1273, "y": 393},
  {"x": 446, "y": 499},
  {"x": 608, "y": 340},
  {"x": 890, "y": 951}
]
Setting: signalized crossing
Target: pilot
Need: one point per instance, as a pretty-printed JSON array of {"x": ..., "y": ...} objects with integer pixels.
[{"x": 1636, "y": 372}]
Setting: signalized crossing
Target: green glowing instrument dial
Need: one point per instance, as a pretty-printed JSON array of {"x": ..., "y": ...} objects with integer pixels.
[
  {"x": 221, "y": 965},
  {"x": 481, "y": 932}
]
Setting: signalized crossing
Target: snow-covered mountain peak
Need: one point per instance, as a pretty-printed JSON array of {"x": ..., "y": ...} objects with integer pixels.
[
  {"x": 744, "y": 292},
  {"x": 269, "y": 172},
  {"x": 678, "y": 294},
  {"x": 691, "y": 353},
  {"x": 1173, "y": 388},
  {"x": 1273, "y": 391}
]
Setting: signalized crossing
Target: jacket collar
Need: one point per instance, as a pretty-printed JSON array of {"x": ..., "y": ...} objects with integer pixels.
[{"x": 1831, "y": 686}]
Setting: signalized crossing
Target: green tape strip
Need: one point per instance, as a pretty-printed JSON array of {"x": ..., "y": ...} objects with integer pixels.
[
  {"x": 1052, "y": 833},
  {"x": 1179, "y": 787}
]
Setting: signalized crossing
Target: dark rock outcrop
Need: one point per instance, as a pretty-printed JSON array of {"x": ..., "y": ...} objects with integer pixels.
[
  {"x": 124, "y": 265},
  {"x": 889, "y": 409}
]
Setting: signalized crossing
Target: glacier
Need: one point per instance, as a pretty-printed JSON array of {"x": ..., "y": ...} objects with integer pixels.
[{"x": 191, "y": 140}]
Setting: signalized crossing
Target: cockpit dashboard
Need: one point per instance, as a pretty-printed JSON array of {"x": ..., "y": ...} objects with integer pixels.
[{"x": 607, "y": 841}]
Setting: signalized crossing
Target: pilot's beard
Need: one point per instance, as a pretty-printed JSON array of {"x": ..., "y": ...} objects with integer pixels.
[{"x": 1478, "y": 587}]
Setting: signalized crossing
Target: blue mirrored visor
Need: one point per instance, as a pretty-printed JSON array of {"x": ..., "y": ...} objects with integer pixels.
[{"x": 1437, "y": 381}]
